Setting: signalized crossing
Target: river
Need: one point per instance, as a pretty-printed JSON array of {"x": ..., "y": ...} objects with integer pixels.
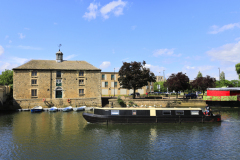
[{"x": 66, "y": 135}]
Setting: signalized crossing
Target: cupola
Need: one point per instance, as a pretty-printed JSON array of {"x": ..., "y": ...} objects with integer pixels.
[{"x": 59, "y": 56}]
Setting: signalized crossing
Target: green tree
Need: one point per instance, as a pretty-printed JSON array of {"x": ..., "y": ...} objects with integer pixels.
[
  {"x": 237, "y": 66},
  {"x": 177, "y": 82},
  {"x": 134, "y": 76},
  {"x": 235, "y": 83},
  {"x": 199, "y": 74},
  {"x": 224, "y": 83},
  {"x": 6, "y": 78},
  {"x": 222, "y": 76},
  {"x": 162, "y": 87}
]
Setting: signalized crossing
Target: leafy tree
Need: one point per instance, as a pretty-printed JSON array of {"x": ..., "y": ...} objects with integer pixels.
[
  {"x": 237, "y": 66},
  {"x": 162, "y": 87},
  {"x": 202, "y": 83},
  {"x": 199, "y": 74},
  {"x": 6, "y": 78},
  {"x": 177, "y": 82},
  {"x": 222, "y": 76},
  {"x": 235, "y": 83},
  {"x": 134, "y": 76},
  {"x": 224, "y": 83}
]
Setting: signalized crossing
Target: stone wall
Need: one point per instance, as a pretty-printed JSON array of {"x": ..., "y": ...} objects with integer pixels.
[
  {"x": 4, "y": 91},
  {"x": 161, "y": 102},
  {"x": 46, "y": 88}
]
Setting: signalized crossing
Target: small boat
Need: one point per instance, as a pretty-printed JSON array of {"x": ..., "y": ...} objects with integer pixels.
[
  {"x": 80, "y": 108},
  {"x": 149, "y": 115},
  {"x": 53, "y": 109},
  {"x": 37, "y": 109},
  {"x": 67, "y": 109}
]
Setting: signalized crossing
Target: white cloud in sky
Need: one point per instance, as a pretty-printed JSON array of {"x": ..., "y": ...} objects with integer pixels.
[
  {"x": 155, "y": 69},
  {"x": 226, "y": 53},
  {"x": 105, "y": 64},
  {"x": 189, "y": 67},
  {"x": 27, "y": 28},
  {"x": 133, "y": 27},
  {"x": 237, "y": 39},
  {"x": 92, "y": 11},
  {"x": 10, "y": 41},
  {"x": 54, "y": 23},
  {"x": 216, "y": 29},
  {"x": 29, "y": 47},
  {"x": 12, "y": 62},
  {"x": 70, "y": 56},
  {"x": 165, "y": 52},
  {"x": 6, "y": 37},
  {"x": 21, "y": 36},
  {"x": 1, "y": 50},
  {"x": 115, "y": 7},
  {"x": 19, "y": 61}
]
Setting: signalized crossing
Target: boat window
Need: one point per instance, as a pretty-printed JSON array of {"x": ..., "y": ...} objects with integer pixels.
[
  {"x": 134, "y": 112},
  {"x": 194, "y": 112},
  {"x": 114, "y": 112},
  {"x": 166, "y": 112},
  {"x": 179, "y": 112}
]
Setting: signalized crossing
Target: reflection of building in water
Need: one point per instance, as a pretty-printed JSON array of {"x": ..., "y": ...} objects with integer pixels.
[{"x": 153, "y": 134}]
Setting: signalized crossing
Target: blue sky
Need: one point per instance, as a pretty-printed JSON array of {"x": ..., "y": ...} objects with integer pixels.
[{"x": 176, "y": 36}]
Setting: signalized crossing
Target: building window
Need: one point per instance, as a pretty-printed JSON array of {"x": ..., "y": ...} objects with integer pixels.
[
  {"x": 34, "y": 93},
  {"x": 81, "y": 73},
  {"x": 115, "y": 84},
  {"x": 150, "y": 83},
  {"x": 103, "y": 76},
  {"x": 81, "y": 82},
  {"x": 34, "y": 73},
  {"x": 34, "y": 81},
  {"x": 179, "y": 113},
  {"x": 112, "y": 77},
  {"x": 59, "y": 74},
  {"x": 106, "y": 84},
  {"x": 151, "y": 87},
  {"x": 194, "y": 112},
  {"x": 81, "y": 91},
  {"x": 58, "y": 82},
  {"x": 147, "y": 87},
  {"x": 114, "y": 112}
]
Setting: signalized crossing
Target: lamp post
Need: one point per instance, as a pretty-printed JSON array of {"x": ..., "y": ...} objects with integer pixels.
[
  {"x": 159, "y": 77},
  {"x": 219, "y": 74},
  {"x": 114, "y": 82},
  {"x": 163, "y": 76}
]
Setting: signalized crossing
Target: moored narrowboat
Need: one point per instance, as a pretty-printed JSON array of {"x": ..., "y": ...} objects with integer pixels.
[{"x": 149, "y": 115}]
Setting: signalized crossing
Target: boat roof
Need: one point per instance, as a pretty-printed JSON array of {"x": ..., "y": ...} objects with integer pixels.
[
  {"x": 149, "y": 108},
  {"x": 225, "y": 89}
]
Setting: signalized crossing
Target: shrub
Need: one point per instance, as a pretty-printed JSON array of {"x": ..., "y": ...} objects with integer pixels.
[{"x": 120, "y": 101}]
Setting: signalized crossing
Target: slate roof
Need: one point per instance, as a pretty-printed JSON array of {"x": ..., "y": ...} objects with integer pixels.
[{"x": 53, "y": 65}]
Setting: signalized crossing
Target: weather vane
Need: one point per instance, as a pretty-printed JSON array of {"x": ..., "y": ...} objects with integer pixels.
[{"x": 59, "y": 46}]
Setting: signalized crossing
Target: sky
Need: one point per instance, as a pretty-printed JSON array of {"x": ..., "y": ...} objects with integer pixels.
[{"x": 174, "y": 36}]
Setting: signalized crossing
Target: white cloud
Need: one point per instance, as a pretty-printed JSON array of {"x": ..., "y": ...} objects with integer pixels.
[
  {"x": 113, "y": 51},
  {"x": 226, "y": 53},
  {"x": 237, "y": 39},
  {"x": 133, "y": 27},
  {"x": 93, "y": 9},
  {"x": 188, "y": 67},
  {"x": 105, "y": 65},
  {"x": 1, "y": 50},
  {"x": 6, "y": 37},
  {"x": 54, "y": 23},
  {"x": 155, "y": 69},
  {"x": 12, "y": 62},
  {"x": 29, "y": 47},
  {"x": 21, "y": 36},
  {"x": 216, "y": 29},
  {"x": 10, "y": 41},
  {"x": 17, "y": 60},
  {"x": 27, "y": 28},
  {"x": 165, "y": 52},
  {"x": 70, "y": 56},
  {"x": 115, "y": 7}
]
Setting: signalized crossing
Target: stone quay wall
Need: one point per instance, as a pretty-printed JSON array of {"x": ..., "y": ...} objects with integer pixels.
[{"x": 161, "y": 102}]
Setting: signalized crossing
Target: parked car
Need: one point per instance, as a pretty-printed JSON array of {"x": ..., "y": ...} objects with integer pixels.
[
  {"x": 137, "y": 94},
  {"x": 191, "y": 95}
]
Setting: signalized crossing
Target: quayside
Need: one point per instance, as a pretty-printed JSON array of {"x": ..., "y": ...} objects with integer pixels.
[{"x": 149, "y": 115}]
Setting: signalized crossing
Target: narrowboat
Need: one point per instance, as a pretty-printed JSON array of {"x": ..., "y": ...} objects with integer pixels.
[
  {"x": 149, "y": 115},
  {"x": 37, "y": 109}
]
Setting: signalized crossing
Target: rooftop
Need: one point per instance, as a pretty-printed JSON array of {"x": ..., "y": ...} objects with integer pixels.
[{"x": 53, "y": 65}]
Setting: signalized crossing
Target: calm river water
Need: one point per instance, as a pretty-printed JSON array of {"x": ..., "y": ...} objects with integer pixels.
[{"x": 60, "y": 135}]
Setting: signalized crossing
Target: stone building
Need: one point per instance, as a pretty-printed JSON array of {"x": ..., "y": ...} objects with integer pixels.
[
  {"x": 53, "y": 82},
  {"x": 160, "y": 79},
  {"x": 111, "y": 86}
]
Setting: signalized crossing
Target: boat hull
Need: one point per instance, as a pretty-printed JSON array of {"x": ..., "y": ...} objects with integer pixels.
[
  {"x": 36, "y": 110},
  {"x": 94, "y": 118}
]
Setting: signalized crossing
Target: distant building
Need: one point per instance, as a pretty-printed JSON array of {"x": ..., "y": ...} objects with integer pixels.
[
  {"x": 111, "y": 86},
  {"x": 42, "y": 82},
  {"x": 160, "y": 79}
]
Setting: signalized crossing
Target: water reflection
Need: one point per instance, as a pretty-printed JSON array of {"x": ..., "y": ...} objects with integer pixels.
[{"x": 62, "y": 135}]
